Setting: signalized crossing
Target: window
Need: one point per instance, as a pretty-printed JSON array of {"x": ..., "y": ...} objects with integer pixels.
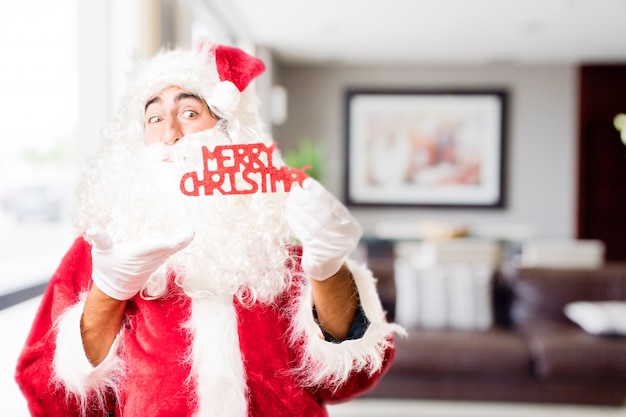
[{"x": 39, "y": 115}]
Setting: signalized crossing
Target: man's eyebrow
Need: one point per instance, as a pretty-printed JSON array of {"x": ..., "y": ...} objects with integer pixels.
[
  {"x": 183, "y": 95},
  {"x": 179, "y": 97},
  {"x": 155, "y": 99}
]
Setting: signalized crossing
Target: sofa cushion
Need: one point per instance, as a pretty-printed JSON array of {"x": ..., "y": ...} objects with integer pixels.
[
  {"x": 573, "y": 353},
  {"x": 539, "y": 294},
  {"x": 450, "y": 296},
  {"x": 600, "y": 317},
  {"x": 492, "y": 352}
]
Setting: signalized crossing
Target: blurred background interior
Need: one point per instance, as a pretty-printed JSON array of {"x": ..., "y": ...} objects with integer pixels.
[{"x": 455, "y": 271}]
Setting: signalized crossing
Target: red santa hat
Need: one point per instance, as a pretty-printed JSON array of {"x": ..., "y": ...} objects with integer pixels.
[
  {"x": 236, "y": 69},
  {"x": 216, "y": 73}
]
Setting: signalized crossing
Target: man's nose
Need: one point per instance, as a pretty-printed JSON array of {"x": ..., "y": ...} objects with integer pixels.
[{"x": 172, "y": 133}]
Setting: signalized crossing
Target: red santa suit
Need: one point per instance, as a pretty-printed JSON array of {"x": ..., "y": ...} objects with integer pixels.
[
  {"x": 287, "y": 368},
  {"x": 194, "y": 350}
]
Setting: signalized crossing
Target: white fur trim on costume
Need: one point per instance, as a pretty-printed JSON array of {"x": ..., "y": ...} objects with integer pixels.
[
  {"x": 216, "y": 358},
  {"x": 331, "y": 364},
  {"x": 73, "y": 370}
]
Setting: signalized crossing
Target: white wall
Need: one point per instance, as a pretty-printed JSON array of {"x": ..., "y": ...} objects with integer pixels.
[{"x": 541, "y": 146}]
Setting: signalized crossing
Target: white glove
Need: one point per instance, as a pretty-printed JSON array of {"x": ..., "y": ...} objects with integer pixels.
[
  {"x": 325, "y": 227},
  {"x": 120, "y": 271}
]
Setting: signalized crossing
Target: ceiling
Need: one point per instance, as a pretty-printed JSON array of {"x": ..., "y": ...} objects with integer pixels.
[{"x": 449, "y": 32}]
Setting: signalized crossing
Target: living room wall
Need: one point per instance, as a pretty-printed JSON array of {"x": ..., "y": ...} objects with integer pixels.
[{"x": 541, "y": 140}]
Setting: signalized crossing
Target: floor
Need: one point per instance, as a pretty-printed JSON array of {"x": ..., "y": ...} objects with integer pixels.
[
  {"x": 14, "y": 321},
  {"x": 393, "y": 408}
]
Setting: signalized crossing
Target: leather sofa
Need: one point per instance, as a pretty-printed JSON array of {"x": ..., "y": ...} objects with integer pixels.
[{"x": 531, "y": 353}]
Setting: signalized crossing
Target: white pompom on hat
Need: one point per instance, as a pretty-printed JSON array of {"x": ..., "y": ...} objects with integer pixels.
[{"x": 226, "y": 96}]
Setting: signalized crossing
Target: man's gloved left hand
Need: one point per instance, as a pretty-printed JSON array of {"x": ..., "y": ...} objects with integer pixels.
[{"x": 325, "y": 227}]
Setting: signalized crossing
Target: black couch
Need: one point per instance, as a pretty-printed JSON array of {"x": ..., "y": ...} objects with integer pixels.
[{"x": 532, "y": 352}]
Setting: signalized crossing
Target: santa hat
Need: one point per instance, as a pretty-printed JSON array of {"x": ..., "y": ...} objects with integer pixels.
[
  {"x": 236, "y": 70},
  {"x": 216, "y": 73}
]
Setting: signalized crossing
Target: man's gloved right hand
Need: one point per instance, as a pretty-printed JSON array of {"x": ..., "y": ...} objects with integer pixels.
[{"x": 120, "y": 271}]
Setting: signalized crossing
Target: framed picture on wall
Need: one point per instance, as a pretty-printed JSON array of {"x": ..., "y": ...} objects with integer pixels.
[{"x": 425, "y": 148}]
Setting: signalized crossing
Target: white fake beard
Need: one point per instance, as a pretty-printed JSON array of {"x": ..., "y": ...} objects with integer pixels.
[{"x": 240, "y": 243}]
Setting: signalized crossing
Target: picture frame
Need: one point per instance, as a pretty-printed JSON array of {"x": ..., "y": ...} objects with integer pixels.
[{"x": 427, "y": 148}]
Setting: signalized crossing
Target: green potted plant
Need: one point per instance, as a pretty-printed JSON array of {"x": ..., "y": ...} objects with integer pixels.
[{"x": 307, "y": 153}]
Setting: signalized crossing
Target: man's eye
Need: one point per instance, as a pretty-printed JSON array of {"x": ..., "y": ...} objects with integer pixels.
[
  {"x": 189, "y": 114},
  {"x": 154, "y": 119}
]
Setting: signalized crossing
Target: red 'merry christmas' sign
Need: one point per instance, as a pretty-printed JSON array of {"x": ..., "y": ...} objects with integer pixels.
[{"x": 240, "y": 169}]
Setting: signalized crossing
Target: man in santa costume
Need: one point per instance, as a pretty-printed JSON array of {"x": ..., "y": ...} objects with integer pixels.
[{"x": 207, "y": 279}]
